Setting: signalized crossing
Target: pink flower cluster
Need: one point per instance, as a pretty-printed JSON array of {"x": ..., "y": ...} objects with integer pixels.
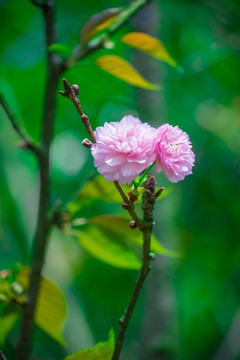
[{"x": 124, "y": 149}]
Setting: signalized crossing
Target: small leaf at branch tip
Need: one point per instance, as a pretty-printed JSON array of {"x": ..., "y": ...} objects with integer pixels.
[{"x": 151, "y": 256}]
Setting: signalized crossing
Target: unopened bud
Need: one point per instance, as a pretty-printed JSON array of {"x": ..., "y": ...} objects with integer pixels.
[
  {"x": 132, "y": 225},
  {"x": 158, "y": 192},
  {"x": 125, "y": 206},
  {"x": 87, "y": 143},
  {"x": 133, "y": 195},
  {"x": 67, "y": 86},
  {"x": 75, "y": 88},
  {"x": 85, "y": 119},
  {"x": 151, "y": 184}
]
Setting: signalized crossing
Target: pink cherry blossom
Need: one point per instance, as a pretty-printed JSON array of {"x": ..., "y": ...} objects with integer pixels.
[
  {"x": 173, "y": 152},
  {"x": 123, "y": 149}
]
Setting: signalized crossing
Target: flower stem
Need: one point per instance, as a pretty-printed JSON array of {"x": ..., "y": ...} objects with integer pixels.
[{"x": 137, "y": 183}]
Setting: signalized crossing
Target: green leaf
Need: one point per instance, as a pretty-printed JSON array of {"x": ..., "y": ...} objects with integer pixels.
[
  {"x": 51, "y": 306},
  {"x": 143, "y": 177},
  {"x": 60, "y": 49},
  {"x": 108, "y": 245},
  {"x": 94, "y": 191},
  {"x": 101, "y": 351},
  {"x": 123, "y": 70},
  {"x": 149, "y": 45},
  {"x": 120, "y": 225}
]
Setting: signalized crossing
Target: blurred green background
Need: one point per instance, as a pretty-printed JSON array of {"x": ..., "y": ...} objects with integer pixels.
[{"x": 189, "y": 308}]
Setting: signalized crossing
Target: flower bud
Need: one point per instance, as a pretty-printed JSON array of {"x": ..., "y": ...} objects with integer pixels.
[{"x": 132, "y": 225}]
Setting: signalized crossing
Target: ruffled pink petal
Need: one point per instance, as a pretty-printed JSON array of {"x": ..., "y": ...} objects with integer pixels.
[
  {"x": 174, "y": 153},
  {"x": 123, "y": 149}
]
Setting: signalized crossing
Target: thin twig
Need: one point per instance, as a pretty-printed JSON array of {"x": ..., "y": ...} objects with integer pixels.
[
  {"x": 129, "y": 206},
  {"x": 27, "y": 142},
  {"x": 148, "y": 205},
  {"x": 72, "y": 92},
  {"x": 2, "y": 357}
]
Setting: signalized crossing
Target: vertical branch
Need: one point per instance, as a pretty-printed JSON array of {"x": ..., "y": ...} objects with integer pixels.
[
  {"x": 43, "y": 221},
  {"x": 149, "y": 197}
]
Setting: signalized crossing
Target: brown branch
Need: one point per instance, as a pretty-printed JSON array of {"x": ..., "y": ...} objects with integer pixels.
[
  {"x": 72, "y": 92},
  {"x": 148, "y": 206},
  {"x": 43, "y": 220},
  {"x": 128, "y": 205},
  {"x": 27, "y": 142}
]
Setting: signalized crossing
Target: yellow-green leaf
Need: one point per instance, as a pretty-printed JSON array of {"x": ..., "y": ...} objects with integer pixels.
[
  {"x": 123, "y": 70},
  {"x": 108, "y": 245},
  {"x": 149, "y": 45},
  {"x": 97, "y": 23},
  {"x": 101, "y": 351},
  {"x": 7, "y": 322},
  {"x": 119, "y": 224},
  {"x": 51, "y": 306}
]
